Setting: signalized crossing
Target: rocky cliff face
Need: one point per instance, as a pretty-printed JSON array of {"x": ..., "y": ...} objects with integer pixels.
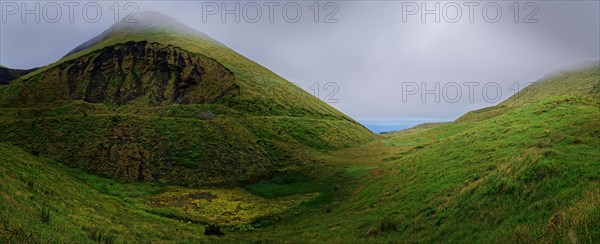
[{"x": 134, "y": 72}]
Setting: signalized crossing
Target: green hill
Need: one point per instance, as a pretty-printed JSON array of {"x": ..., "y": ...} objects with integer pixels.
[
  {"x": 584, "y": 83},
  {"x": 261, "y": 92},
  {"x": 529, "y": 174},
  {"x": 159, "y": 101},
  {"x": 581, "y": 83}
]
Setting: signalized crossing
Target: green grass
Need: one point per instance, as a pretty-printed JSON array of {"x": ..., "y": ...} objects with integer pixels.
[
  {"x": 523, "y": 176},
  {"x": 583, "y": 83},
  {"x": 528, "y": 175},
  {"x": 41, "y": 201},
  {"x": 573, "y": 83},
  {"x": 285, "y": 185},
  {"x": 182, "y": 151}
]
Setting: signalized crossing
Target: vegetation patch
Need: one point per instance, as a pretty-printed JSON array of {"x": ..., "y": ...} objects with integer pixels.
[{"x": 223, "y": 207}]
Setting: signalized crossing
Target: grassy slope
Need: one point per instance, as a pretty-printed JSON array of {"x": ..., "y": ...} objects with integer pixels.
[
  {"x": 262, "y": 91},
  {"x": 45, "y": 201},
  {"x": 31, "y": 186},
  {"x": 583, "y": 83},
  {"x": 574, "y": 83},
  {"x": 531, "y": 175},
  {"x": 179, "y": 150},
  {"x": 253, "y": 134}
]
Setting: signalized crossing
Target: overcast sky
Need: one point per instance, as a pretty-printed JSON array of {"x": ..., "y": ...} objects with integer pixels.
[{"x": 371, "y": 54}]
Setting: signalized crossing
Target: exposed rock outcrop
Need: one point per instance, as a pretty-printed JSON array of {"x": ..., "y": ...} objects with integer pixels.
[{"x": 140, "y": 72}]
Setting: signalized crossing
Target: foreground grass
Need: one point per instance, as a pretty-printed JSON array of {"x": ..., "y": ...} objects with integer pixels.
[
  {"x": 41, "y": 202},
  {"x": 45, "y": 201}
]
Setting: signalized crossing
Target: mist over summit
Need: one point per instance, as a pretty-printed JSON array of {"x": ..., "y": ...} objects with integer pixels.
[{"x": 144, "y": 22}]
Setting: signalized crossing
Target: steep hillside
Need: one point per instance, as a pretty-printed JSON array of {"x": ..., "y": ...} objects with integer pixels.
[
  {"x": 261, "y": 92},
  {"x": 43, "y": 200},
  {"x": 582, "y": 83},
  {"x": 159, "y": 101},
  {"x": 529, "y": 174}
]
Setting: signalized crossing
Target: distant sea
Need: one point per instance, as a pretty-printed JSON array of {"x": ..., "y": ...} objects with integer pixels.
[{"x": 387, "y": 125}]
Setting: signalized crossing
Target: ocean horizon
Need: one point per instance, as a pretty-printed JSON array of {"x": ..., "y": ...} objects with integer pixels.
[{"x": 387, "y": 125}]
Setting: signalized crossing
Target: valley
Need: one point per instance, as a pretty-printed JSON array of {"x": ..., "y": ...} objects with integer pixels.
[
  {"x": 145, "y": 134},
  {"x": 537, "y": 158}
]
